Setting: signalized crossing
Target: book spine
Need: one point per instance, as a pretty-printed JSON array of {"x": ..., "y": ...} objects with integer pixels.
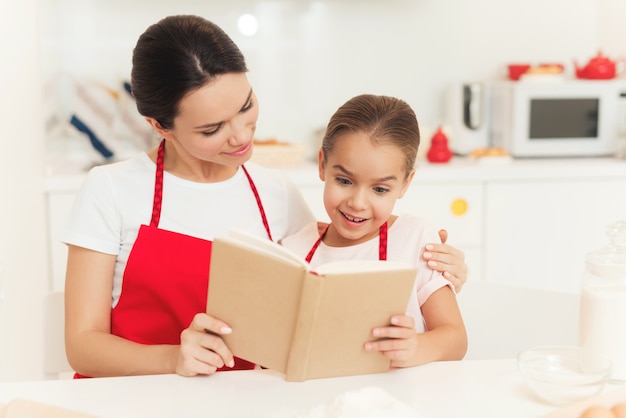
[{"x": 298, "y": 361}]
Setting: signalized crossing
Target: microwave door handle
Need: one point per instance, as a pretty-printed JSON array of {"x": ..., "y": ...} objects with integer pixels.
[{"x": 472, "y": 112}]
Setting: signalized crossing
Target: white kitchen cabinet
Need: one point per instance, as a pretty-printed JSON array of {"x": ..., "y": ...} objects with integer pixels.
[
  {"x": 529, "y": 222},
  {"x": 456, "y": 206},
  {"x": 538, "y": 232}
]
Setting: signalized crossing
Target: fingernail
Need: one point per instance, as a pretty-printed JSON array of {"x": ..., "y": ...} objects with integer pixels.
[
  {"x": 226, "y": 330},
  {"x": 427, "y": 255},
  {"x": 394, "y": 321},
  {"x": 430, "y": 247},
  {"x": 432, "y": 263},
  {"x": 368, "y": 347},
  {"x": 231, "y": 363},
  {"x": 376, "y": 332}
]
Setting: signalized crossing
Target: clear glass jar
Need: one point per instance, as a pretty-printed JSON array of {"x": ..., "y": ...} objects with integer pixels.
[{"x": 603, "y": 301}]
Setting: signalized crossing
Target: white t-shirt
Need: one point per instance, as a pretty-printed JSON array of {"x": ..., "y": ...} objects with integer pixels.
[
  {"x": 116, "y": 199},
  {"x": 406, "y": 240}
]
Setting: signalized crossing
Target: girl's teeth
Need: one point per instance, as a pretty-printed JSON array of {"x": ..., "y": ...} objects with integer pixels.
[{"x": 350, "y": 218}]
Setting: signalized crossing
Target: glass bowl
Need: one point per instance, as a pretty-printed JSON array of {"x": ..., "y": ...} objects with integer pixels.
[{"x": 561, "y": 375}]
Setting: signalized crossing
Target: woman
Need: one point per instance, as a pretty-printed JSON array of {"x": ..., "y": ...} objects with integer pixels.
[{"x": 139, "y": 236}]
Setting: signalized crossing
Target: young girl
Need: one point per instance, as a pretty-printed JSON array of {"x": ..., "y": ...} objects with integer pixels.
[{"x": 367, "y": 163}]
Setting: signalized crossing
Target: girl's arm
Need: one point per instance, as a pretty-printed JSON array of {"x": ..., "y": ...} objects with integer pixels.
[
  {"x": 446, "y": 338},
  {"x": 93, "y": 351}
]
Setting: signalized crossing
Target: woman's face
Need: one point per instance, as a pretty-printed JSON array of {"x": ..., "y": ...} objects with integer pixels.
[{"x": 216, "y": 123}]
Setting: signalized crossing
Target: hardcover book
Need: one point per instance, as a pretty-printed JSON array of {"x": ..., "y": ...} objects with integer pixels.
[{"x": 302, "y": 323}]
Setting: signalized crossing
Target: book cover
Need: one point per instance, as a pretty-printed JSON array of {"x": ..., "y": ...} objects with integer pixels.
[{"x": 304, "y": 324}]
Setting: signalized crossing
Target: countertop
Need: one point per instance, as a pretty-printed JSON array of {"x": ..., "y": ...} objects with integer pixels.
[
  {"x": 479, "y": 388},
  {"x": 67, "y": 176}
]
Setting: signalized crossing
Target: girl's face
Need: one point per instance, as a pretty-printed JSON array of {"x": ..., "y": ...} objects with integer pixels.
[
  {"x": 362, "y": 183},
  {"x": 216, "y": 123}
]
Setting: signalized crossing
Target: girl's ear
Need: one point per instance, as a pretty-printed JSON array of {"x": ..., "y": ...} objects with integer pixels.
[
  {"x": 161, "y": 131},
  {"x": 321, "y": 164},
  {"x": 407, "y": 183}
]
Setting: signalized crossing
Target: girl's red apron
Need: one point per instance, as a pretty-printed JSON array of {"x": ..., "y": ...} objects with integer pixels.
[
  {"x": 382, "y": 243},
  {"x": 166, "y": 279}
]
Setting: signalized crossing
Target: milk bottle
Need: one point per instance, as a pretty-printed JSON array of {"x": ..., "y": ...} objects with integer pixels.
[{"x": 603, "y": 301}]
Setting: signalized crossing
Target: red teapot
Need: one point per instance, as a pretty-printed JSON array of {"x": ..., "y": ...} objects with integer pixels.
[{"x": 598, "y": 68}]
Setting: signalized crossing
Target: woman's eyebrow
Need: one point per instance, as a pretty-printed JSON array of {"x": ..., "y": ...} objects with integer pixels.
[{"x": 212, "y": 125}]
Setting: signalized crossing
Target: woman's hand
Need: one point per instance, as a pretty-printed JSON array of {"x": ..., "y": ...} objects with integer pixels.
[
  {"x": 202, "y": 349},
  {"x": 398, "y": 342},
  {"x": 448, "y": 260}
]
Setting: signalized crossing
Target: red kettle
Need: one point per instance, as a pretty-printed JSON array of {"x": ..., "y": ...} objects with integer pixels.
[{"x": 598, "y": 68}]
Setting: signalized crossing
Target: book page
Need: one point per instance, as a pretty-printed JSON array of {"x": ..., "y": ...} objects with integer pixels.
[
  {"x": 359, "y": 266},
  {"x": 265, "y": 246}
]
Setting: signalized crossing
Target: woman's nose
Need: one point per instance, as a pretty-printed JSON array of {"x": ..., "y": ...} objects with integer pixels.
[{"x": 239, "y": 134}]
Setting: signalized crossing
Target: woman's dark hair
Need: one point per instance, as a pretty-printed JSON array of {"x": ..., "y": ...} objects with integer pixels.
[
  {"x": 175, "y": 56},
  {"x": 386, "y": 120}
]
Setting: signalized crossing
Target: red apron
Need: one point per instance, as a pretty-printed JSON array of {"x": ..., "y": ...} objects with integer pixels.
[
  {"x": 166, "y": 279},
  {"x": 382, "y": 243}
]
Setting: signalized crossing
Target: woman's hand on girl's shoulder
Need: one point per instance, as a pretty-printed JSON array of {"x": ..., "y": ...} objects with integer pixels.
[
  {"x": 202, "y": 349},
  {"x": 448, "y": 260}
]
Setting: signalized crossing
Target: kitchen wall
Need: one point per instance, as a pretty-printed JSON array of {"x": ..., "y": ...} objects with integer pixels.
[
  {"x": 307, "y": 58},
  {"x": 23, "y": 262}
]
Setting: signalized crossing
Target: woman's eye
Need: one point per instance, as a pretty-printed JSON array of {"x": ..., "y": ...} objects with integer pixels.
[
  {"x": 212, "y": 131},
  {"x": 247, "y": 107},
  {"x": 381, "y": 190},
  {"x": 342, "y": 181}
]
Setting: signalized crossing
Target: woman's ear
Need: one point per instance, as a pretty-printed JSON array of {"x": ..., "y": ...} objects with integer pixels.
[
  {"x": 407, "y": 183},
  {"x": 321, "y": 163},
  {"x": 161, "y": 131}
]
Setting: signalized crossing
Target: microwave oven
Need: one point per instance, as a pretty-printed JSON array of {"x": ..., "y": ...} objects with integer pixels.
[{"x": 565, "y": 118}]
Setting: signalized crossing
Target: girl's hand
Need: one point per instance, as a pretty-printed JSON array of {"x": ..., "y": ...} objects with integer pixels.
[
  {"x": 202, "y": 350},
  {"x": 398, "y": 342},
  {"x": 448, "y": 260}
]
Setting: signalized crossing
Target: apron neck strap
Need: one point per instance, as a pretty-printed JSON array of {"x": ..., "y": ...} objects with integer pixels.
[{"x": 382, "y": 243}]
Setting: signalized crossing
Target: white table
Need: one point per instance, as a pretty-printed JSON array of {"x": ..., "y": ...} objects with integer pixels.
[{"x": 469, "y": 388}]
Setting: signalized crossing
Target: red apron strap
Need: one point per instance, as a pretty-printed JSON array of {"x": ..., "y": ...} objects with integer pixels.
[
  {"x": 309, "y": 256},
  {"x": 158, "y": 192},
  {"x": 259, "y": 203},
  {"x": 382, "y": 243},
  {"x": 158, "y": 186}
]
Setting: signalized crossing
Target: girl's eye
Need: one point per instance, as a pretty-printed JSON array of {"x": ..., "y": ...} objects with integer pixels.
[
  {"x": 380, "y": 190},
  {"x": 342, "y": 181}
]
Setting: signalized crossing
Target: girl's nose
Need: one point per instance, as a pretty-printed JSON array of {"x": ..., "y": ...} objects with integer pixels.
[{"x": 358, "y": 199}]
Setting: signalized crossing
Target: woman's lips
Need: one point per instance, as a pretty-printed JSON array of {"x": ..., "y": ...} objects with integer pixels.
[{"x": 241, "y": 151}]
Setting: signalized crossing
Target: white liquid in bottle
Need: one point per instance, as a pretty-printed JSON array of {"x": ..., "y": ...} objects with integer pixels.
[{"x": 603, "y": 303}]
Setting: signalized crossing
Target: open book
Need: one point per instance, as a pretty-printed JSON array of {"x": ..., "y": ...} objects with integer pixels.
[{"x": 301, "y": 323}]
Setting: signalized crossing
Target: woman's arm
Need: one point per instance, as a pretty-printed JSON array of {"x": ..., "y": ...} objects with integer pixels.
[
  {"x": 448, "y": 260},
  {"x": 446, "y": 338},
  {"x": 93, "y": 351}
]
